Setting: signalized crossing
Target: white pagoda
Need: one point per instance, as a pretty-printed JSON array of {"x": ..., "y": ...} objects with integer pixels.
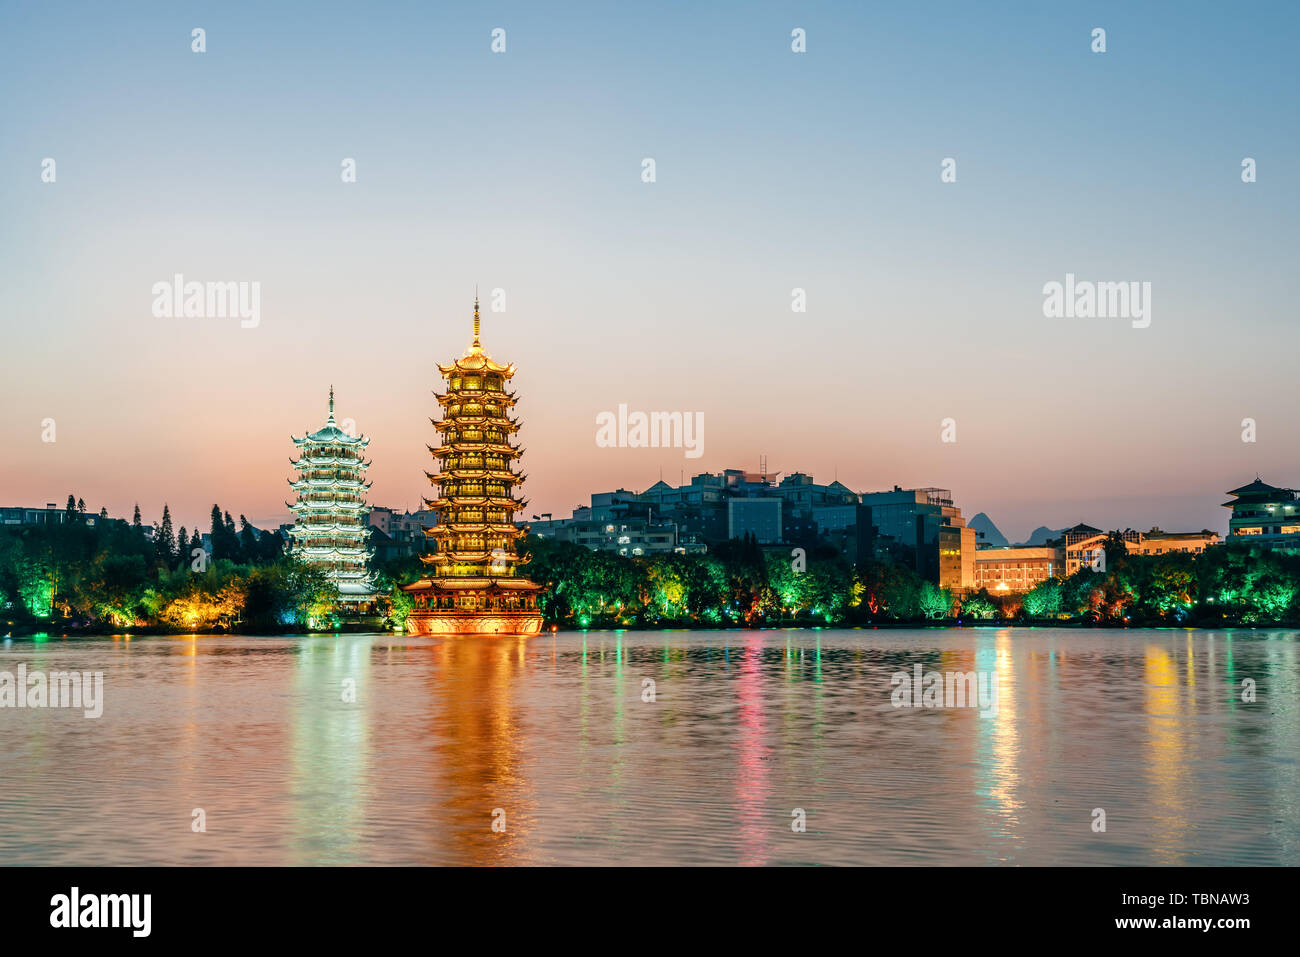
[{"x": 330, "y": 527}]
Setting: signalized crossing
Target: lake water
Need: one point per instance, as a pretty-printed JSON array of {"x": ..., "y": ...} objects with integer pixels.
[{"x": 551, "y": 737}]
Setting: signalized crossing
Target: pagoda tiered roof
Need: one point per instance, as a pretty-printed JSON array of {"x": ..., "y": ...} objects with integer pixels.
[
  {"x": 477, "y": 396},
  {"x": 461, "y": 422},
  {"x": 506, "y": 583},
  {"x": 442, "y": 451},
  {"x": 356, "y": 485},
  {"x": 351, "y": 485},
  {"x": 481, "y": 501},
  {"x": 476, "y": 360},
  {"x": 1260, "y": 492},
  {"x": 1259, "y": 487},
  {"x": 331, "y": 434}
]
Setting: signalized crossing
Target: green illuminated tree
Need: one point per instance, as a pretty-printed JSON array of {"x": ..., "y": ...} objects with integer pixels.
[
  {"x": 1044, "y": 600},
  {"x": 935, "y": 602}
]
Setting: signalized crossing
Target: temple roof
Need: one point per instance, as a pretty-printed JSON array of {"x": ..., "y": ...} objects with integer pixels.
[
  {"x": 1257, "y": 487},
  {"x": 472, "y": 584},
  {"x": 475, "y": 359},
  {"x": 331, "y": 433},
  {"x": 355, "y": 589}
]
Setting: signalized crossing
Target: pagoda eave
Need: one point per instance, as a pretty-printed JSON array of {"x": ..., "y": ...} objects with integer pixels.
[{"x": 454, "y": 585}]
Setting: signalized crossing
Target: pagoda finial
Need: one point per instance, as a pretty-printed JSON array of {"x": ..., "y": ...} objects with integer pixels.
[
  {"x": 476, "y": 319},
  {"x": 331, "y": 403}
]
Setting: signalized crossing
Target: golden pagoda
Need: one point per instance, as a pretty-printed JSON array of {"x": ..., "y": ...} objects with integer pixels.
[{"x": 475, "y": 588}]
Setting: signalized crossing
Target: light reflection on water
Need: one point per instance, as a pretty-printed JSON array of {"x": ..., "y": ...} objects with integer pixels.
[{"x": 745, "y": 727}]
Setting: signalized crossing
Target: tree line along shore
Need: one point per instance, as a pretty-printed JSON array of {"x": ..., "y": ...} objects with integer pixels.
[{"x": 110, "y": 577}]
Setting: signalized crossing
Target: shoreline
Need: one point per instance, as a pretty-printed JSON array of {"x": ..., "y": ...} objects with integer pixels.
[{"x": 36, "y": 634}]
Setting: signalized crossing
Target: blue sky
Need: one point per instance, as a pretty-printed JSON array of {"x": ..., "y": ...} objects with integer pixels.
[{"x": 775, "y": 170}]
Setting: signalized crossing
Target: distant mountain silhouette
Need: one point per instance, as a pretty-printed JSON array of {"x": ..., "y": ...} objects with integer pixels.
[
  {"x": 1042, "y": 534},
  {"x": 992, "y": 536}
]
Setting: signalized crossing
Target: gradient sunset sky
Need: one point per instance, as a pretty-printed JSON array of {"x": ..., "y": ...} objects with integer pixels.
[{"x": 775, "y": 170}]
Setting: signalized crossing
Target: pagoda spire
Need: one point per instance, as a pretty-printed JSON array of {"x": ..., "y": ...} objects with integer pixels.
[
  {"x": 331, "y": 402},
  {"x": 476, "y": 347}
]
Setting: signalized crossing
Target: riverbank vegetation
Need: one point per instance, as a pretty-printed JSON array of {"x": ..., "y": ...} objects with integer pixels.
[
  {"x": 111, "y": 577},
  {"x": 739, "y": 584}
]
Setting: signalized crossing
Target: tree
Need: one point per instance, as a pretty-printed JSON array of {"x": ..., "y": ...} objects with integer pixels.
[
  {"x": 746, "y": 572},
  {"x": 232, "y": 540},
  {"x": 890, "y": 589},
  {"x": 182, "y": 546},
  {"x": 936, "y": 602},
  {"x": 1164, "y": 584},
  {"x": 218, "y": 535},
  {"x": 71, "y": 509},
  {"x": 166, "y": 542},
  {"x": 247, "y": 541},
  {"x": 114, "y": 587},
  {"x": 1043, "y": 600},
  {"x": 793, "y": 585},
  {"x": 1083, "y": 592},
  {"x": 269, "y": 547},
  {"x": 665, "y": 587},
  {"x": 225, "y": 540},
  {"x": 288, "y": 592},
  {"x": 834, "y": 589},
  {"x": 706, "y": 584},
  {"x": 980, "y": 605},
  {"x": 1116, "y": 549},
  {"x": 135, "y": 520},
  {"x": 81, "y": 506},
  {"x": 199, "y": 602}
]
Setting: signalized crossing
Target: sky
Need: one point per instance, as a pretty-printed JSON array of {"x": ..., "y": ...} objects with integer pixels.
[{"x": 522, "y": 171}]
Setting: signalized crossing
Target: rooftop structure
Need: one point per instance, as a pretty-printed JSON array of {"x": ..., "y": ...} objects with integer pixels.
[{"x": 1264, "y": 516}]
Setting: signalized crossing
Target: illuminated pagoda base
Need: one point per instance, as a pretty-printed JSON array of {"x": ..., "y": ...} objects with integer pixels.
[
  {"x": 474, "y": 607},
  {"x": 475, "y": 588}
]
